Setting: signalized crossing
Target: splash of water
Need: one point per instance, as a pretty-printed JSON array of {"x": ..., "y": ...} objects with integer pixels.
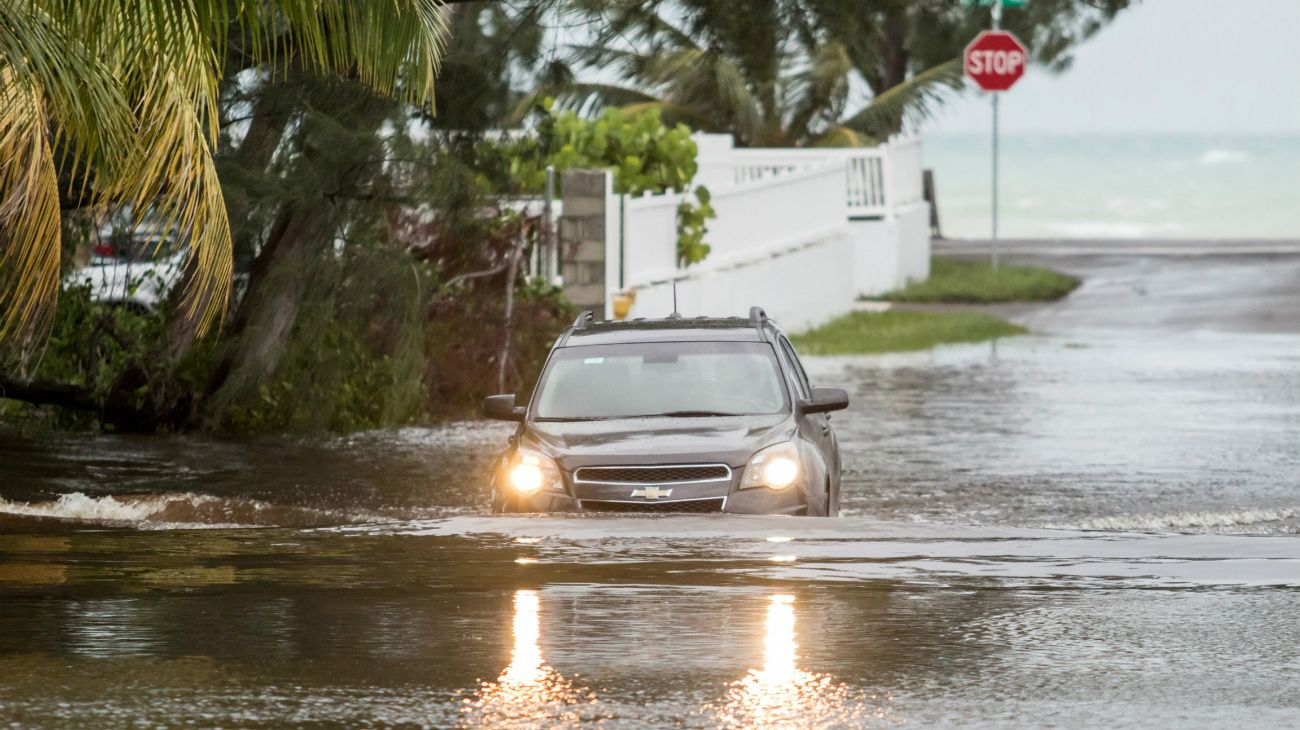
[{"x": 183, "y": 510}]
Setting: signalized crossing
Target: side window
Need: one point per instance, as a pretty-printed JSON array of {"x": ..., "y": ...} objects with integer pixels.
[{"x": 792, "y": 362}]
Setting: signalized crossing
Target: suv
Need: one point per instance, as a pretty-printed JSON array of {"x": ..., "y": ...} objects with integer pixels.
[{"x": 671, "y": 415}]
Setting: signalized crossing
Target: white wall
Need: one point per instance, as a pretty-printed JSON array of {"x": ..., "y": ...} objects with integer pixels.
[
  {"x": 914, "y": 243},
  {"x": 799, "y": 288},
  {"x": 890, "y": 252}
]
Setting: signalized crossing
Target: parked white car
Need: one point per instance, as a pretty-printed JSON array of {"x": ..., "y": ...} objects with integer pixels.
[{"x": 135, "y": 269}]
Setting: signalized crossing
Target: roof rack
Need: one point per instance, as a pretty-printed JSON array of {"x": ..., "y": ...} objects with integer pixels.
[{"x": 758, "y": 318}]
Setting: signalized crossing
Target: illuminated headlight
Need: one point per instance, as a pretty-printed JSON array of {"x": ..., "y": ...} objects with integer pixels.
[
  {"x": 775, "y": 467},
  {"x": 529, "y": 472}
]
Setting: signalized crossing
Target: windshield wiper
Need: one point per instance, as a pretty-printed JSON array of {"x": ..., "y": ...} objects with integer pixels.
[
  {"x": 690, "y": 414},
  {"x": 572, "y": 418}
]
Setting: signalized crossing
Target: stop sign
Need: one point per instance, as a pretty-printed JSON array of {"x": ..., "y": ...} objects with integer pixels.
[{"x": 995, "y": 60}]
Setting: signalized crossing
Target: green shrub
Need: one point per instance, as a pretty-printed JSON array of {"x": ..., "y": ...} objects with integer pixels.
[{"x": 954, "y": 281}]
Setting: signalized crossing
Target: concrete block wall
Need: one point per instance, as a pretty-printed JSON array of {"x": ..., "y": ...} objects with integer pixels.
[{"x": 584, "y": 227}]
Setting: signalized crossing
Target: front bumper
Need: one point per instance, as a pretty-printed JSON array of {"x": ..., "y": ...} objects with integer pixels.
[{"x": 683, "y": 498}]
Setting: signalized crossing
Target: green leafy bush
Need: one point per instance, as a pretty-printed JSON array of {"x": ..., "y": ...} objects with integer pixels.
[{"x": 645, "y": 155}]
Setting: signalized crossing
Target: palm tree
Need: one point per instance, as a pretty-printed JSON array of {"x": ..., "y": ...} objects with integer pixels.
[
  {"x": 774, "y": 73},
  {"x": 115, "y": 103}
]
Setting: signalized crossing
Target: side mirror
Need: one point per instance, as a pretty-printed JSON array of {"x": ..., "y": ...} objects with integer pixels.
[
  {"x": 825, "y": 400},
  {"x": 502, "y": 408}
]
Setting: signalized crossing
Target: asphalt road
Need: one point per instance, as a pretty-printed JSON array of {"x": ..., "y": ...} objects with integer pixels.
[{"x": 1171, "y": 286}]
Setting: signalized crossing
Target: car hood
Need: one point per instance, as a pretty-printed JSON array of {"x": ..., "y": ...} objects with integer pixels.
[{"x": 657, "y": 440}]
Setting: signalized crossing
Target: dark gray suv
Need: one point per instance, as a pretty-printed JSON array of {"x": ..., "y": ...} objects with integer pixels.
[{"x": 671, "y": 415}]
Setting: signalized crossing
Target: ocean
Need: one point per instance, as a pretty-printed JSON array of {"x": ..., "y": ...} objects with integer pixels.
[{"x": 1112, "y": 186}]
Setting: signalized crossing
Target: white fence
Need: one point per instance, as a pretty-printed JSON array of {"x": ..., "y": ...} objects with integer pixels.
[
  {"x": 802, "y": 232},
  {"x": 876, "y": 179}
]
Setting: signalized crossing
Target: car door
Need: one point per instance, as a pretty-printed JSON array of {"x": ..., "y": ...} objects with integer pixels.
[{"x": 816, "y": 427}]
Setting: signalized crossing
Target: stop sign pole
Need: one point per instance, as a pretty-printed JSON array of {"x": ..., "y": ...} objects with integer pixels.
[
  {"x": 993, "y": 245},
  {"x": 995, "y": 61}
]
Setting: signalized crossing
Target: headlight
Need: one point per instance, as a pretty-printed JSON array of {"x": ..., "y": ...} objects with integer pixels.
[
  {"x": 529, "y": 472},
  {"x": 776, "y": 467}
]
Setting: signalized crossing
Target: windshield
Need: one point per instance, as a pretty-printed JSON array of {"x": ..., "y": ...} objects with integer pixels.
[{"x": 661, "y": 379}]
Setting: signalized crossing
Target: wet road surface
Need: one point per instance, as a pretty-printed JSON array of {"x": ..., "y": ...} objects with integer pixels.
[{"x": 1092, "y": 525}]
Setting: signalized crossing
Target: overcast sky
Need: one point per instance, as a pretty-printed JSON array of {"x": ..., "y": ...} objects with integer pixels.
[{"x": 1163, "y": 66}]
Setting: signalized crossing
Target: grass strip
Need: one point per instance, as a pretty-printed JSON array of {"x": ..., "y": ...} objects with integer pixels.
[
  {"x": 866, "y": 333},
  {"x": 959, "y": 281}
]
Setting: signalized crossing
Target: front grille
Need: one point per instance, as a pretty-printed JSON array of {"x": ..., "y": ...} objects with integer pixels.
[
  {"x": 654, "y": 474},
  {"x": 691, "y": 506}
]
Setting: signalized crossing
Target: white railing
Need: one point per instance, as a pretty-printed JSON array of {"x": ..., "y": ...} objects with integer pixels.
[{"x": 877, "y": 180}]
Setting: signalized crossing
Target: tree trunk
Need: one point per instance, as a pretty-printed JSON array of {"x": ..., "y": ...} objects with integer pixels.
[
  {"x": 114, "y": 410},
  {"x": 277, "y": 279},
  {"x": 512, "y": 273},
  {"x": 895, "y": 57},
  {"x": 269, "y": 309}
]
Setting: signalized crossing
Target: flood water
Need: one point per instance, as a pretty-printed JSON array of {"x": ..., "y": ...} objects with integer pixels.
[{"x": 1094, "y": 525}]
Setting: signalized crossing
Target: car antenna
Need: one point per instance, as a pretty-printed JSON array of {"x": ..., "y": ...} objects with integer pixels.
[{"x": 676, "y": 314}]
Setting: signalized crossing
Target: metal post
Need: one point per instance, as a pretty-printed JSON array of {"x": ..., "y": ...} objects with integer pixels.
[
  {"x": 622, "y": 240},
  {"x": 549, "y": 247},
  {"x": 993, "y": 244}
]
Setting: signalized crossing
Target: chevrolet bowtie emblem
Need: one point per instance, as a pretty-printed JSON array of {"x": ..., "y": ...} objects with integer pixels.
[{"x": 651, "y": 492}]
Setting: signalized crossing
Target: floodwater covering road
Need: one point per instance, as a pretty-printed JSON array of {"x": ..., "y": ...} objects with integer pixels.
[{"x": 1094, "y": 525}]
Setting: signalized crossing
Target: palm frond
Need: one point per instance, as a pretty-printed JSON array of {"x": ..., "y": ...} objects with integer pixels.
[
  {"x": 53, "y": 95},
  {"x": 734, "y": 99},
  {"x": 29, "y": 209},
  {"x": 588, "y": 98},
  {"x": 910, "y": 101},
  {"x": 840, "y": 136},
  {"x": 167, "y": 65},
  {"x": 821, "y": 90},
  {"x": 638, "y": 24},
  {"x": 175, "y": 179},
  {"x": 80, "y": 90},
  {"x": 392, "y": 46}
]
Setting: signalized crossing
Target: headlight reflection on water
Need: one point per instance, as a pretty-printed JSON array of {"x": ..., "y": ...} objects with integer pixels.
[
  {"x": 781, "y": 695},
  {"x": 529, "y": 693}
]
